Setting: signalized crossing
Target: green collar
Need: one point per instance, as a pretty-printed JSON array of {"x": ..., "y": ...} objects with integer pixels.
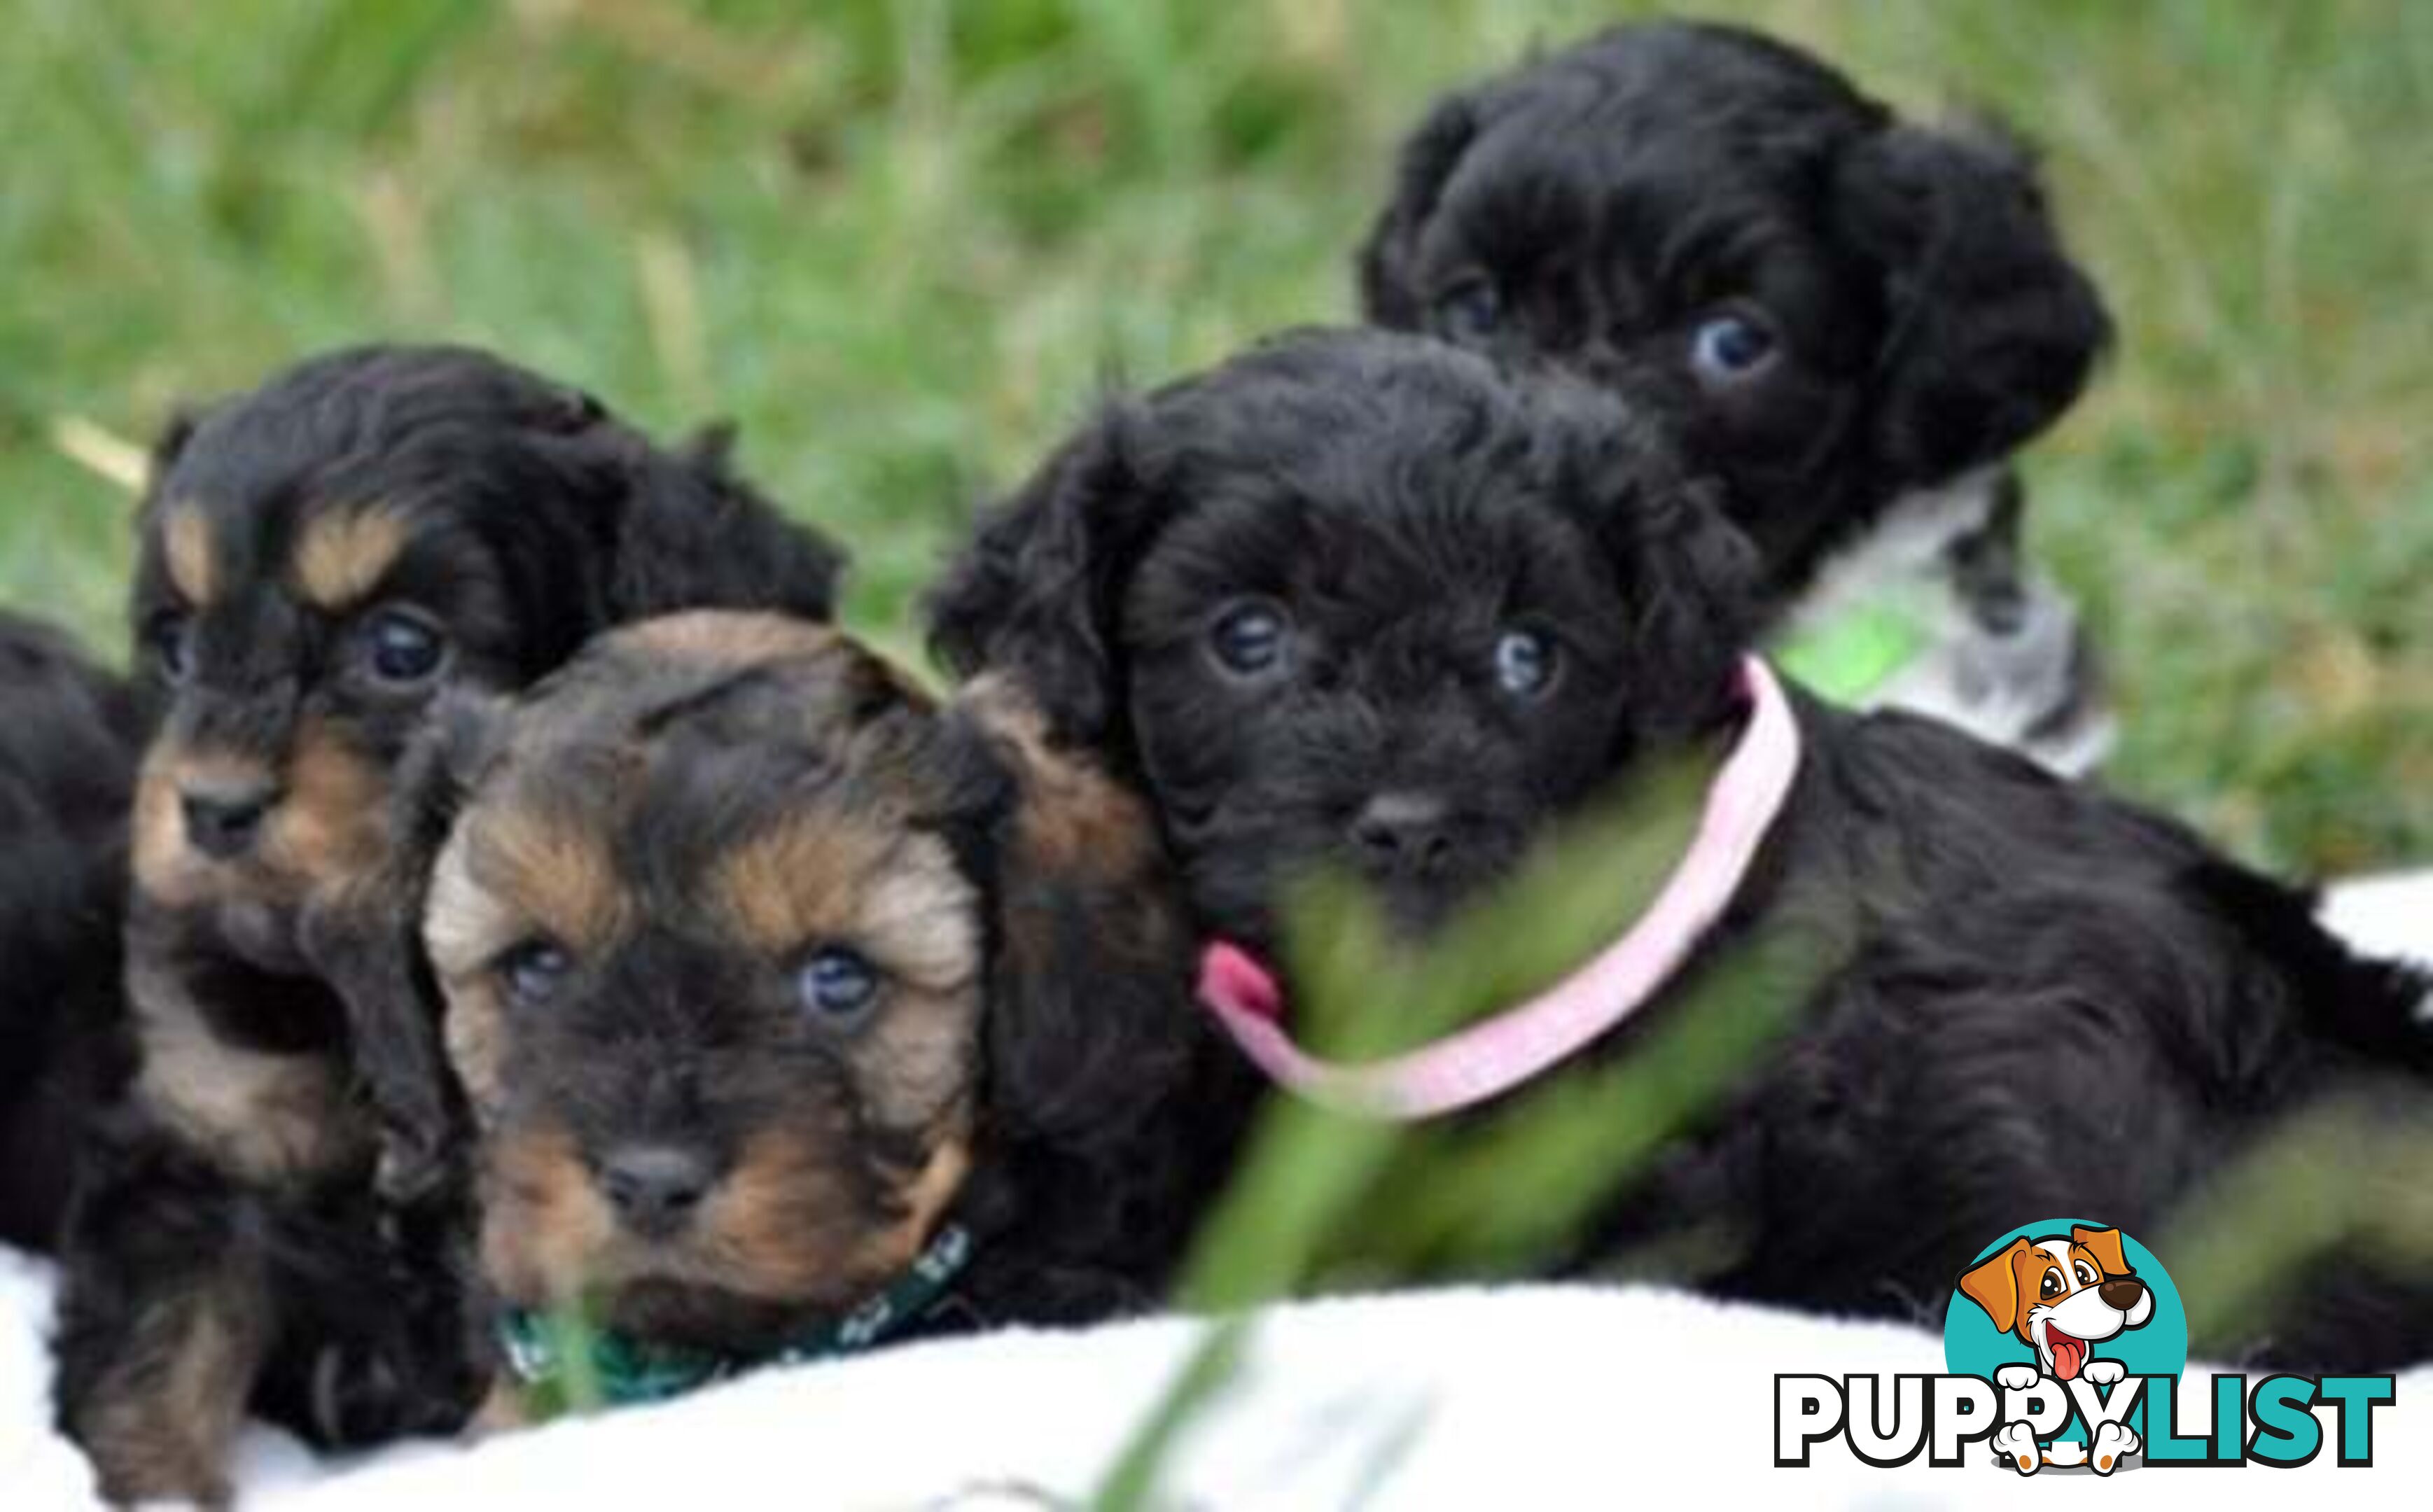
[
  {"x": 1851, "y": 655},
  {"x": 562, "y": 1366}
]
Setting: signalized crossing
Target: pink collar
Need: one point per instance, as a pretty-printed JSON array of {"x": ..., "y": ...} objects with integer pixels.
[{"x": 1490, "y": 1058}]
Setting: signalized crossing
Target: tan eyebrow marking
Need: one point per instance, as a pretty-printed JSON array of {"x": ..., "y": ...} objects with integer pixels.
[
  {"x": 821, "y": 876},
  {"x": 511, "y": 871},
  {"x": 343, "y": 554},
  {"x": 186, "y": 545}
]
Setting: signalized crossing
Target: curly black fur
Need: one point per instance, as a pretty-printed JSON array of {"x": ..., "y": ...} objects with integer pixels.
[
  {"x": 2043, "y": 1000},
  {"x": 322, "y": 559},
  {"x": 68, "y": 745},
  {"x": 1598, "y": 206},
  {"x": 1353, "y": 481}
]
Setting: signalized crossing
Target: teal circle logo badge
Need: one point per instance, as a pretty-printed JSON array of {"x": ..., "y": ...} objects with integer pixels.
[{"x": 2050, "y": 1312}]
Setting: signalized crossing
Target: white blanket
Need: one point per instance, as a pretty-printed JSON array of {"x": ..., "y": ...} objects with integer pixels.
[
  {"x": 2386, "y": 915},
  {"x": 1510, "y": 1400},
  {"x": 1505, "y": 1401}
]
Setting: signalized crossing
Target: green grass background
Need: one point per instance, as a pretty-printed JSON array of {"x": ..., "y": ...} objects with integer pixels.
[{"x": 905, "y": 245}]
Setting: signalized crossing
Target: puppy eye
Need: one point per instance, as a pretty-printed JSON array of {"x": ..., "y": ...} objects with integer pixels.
[
  {"x": 1250, "y": 640},
  {"x": 2086, "y": 1274},
  {"x": 1733, "y": 345},
  {"x": 534, "y": 972},
  {"x": 170, "y": 638},
  {"x": 1470, "y": 310},
  {"x": 837, "y": 983},
  {"x": 2051, "y": 1286},
  {"x": 403, "y": 648},
  {"x": 1524, "y": 663}
]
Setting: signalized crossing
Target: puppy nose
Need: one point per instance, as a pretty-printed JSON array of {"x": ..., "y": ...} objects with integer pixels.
[
  {"x": 223, "y": 818},
  {"x": 654, "y": 1187},
  {"x": 1404, "y": 831},
  {"x": 2121, "y": 1293}
]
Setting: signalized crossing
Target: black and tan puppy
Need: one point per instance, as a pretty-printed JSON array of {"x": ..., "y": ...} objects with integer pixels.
[
  {"x": 1360, "y": 601},
  {"x": 767, "y": 977},
  {"x": 69, "y": 741},
  {"x": 321, "y": 559},
  {"x": 1853, "y": 319}
]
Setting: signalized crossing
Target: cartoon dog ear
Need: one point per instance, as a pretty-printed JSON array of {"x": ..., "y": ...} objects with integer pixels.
[
  {"x": 1992, "y": 330},
  {"x": 366, "y": 942},
  {"x": 1993, "y": 1284},
  {"x": 1037, "y": 592},
  {"x": 2105, "y": 1243},
  {"x": 1689, "y": 575},
  {"x": 1090, "y": 1024},
  {"x": 692, "y": 534},
  {"x": 1390, "y": 294}
]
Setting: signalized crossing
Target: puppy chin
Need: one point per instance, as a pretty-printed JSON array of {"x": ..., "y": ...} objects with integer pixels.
[
  {"x": 1414, "y": 912},
  {"x": 260, "y": 934},
  {"x": 658, "y": 1292},
  {"x": 694, "y": 1317}
]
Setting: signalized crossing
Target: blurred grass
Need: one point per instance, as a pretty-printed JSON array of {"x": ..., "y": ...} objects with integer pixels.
[{"x": 904, "y": 245}]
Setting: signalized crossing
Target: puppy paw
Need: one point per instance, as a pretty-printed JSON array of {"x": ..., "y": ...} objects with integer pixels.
[
  {"x": 364, "y": 1392},
  {"x": 2016, "y": 1446},
  {"x": 2103, "y": 1372},
  {"x": 357, "y": 1396},
  {"x": 2015, "y": 1377},
  {"x": 2113, "y": 1443}
]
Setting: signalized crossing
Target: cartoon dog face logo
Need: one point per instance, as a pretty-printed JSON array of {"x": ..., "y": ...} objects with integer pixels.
[{"x": 2062, "y": 1294}]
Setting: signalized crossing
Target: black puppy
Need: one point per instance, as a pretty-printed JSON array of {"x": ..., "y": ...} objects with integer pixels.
[
  {"x": 320, "y": 558},
  {"x": 1356, "y": 600},
  {"x": 1852, "y": 319},
  {"x": 68, "y": 745},
  {"x": 777, "y": 990}
]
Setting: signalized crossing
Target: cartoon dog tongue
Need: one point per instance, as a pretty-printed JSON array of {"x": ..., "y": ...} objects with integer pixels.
[{"x": 2067, "y": 1354}]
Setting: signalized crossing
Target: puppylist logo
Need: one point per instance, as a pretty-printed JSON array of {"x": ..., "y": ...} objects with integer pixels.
[{"x": 2065, "y": 1342}]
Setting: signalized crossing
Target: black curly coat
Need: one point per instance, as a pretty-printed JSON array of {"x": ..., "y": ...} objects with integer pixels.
[
  {"x": 1904, "y": 308},
  {"x": 69, "y": 738},
  {"x": 320, "y": 558},
  {"x": 1360, "y": 600}
]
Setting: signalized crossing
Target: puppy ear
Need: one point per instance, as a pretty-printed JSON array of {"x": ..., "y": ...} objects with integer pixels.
[
  {"x": 2105, "y": 1243},
  {"x": 366, "y": 942},
  {"x": 1991, "y": 329},
  {"x": 1993, "y": 1284},
  {"x": 1090, "y": 1026},
  {"x": 176, "y": 432},
  {"x": 1037, "y": 591},
  {"x": 692, "y": 535},
  {"x": 1687, "y": 574},
  {"x": 1390, "y": 294}
]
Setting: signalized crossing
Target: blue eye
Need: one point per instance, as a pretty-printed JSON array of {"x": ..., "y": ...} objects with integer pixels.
[
  {"x": 1728, "y": 347},
  {"x": 1250, "y": 640},
  {"x": 1470, "y": 310},
  {"x": 403, "y": 648},
  {"x": 1524, "y": 663},
  {"x": 533, "y": 971},
  {"x": 837, "y": 983},
  {"x": 171, "y": 638}
]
